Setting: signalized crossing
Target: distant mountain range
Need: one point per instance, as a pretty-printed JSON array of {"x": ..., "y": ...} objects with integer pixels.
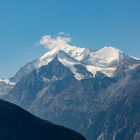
[
  {"x": 93, "y": 92},
  {"x": 5, "y": 86}
]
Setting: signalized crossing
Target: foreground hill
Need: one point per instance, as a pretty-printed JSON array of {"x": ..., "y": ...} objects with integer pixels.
[{"x": 17, "y": 124}]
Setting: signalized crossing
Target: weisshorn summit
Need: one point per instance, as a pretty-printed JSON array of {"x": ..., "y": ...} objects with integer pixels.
[{"x": 96, "y": 93}]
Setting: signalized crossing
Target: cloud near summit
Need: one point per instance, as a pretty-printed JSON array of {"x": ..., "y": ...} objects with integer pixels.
[{"x": 51, "y": 42}]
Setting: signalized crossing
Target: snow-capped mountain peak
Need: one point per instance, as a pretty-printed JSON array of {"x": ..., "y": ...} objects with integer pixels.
[
  {"x": 61, "y": 53},
  {"x": 105, "y": 60},
  {"x": 108, "y": 54},
  {"x": 103, "y": 57},
  {"x": 75, "y": 52},
  {"x": 71, "y": 63},
  {"x": 66, "y": 60}
]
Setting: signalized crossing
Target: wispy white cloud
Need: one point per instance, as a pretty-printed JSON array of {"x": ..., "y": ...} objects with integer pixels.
[{"x": 51, "y": 42}]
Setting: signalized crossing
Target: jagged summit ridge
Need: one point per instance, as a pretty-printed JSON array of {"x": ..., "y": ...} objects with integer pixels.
[
  {"x": 103, "y": 56},
  {"x": 104, "y": 60}
]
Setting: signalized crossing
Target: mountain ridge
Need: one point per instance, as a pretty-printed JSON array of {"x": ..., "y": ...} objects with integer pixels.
[
  {"x": 105, "y": 60},
  {"x": 53, "y": 91}
]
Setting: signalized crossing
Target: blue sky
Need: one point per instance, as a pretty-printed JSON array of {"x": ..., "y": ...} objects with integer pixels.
[{"x": 90, "y": 23}]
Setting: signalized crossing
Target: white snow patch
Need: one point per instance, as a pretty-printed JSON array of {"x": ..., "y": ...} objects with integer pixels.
[
  {"x": 7, "y": 82},
  {"x": 131, "y": 67},
  {"x": 107, "y": 71},
  {"x": 136, "y": 58},
  {"x": 104, "y": 57},
  {"x": 68, "y": 62}
]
